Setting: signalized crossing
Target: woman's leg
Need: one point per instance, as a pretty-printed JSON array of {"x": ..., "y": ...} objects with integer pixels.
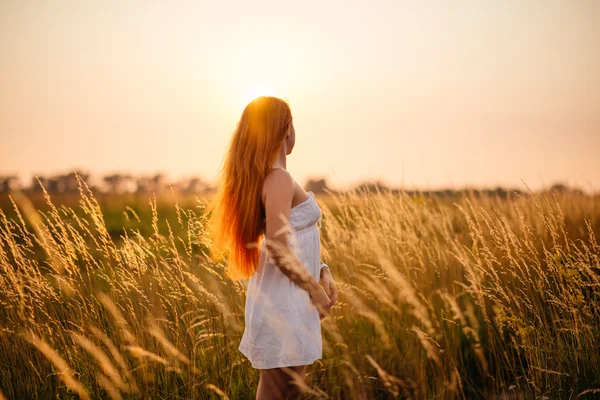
[{"x": 277, "y": 383}]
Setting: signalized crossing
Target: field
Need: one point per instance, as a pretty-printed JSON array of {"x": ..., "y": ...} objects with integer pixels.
[{"x": 467, "y": 297}]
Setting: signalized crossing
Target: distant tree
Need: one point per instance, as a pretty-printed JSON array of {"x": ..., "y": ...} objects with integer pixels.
[
  {"x": 160, "y": 183},
  {"x": 54, "y": 185},
  {"x": 68, "y": 182},
  {"x": 195, "y": 185},
  {"x": 155, "y": 184},
  {"x": 62, "y": 183},
  {"x": 316, "y": 185},
  {"x": 210, "y": 189},
  {"x": 118, "y": 183},
  {"x": 559, "y": 188},
  {"x": 372, "y": 186},
  {"x": 562, "y": 188},
  {"x": 9, "y": 183},
  {"x": 143, "y": 184},
  {"x": 113, "y": 182},
  {"x": 35, "y": 185}
]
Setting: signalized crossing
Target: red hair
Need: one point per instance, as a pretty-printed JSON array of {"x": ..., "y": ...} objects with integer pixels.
[{"x": 236, "y": 222}]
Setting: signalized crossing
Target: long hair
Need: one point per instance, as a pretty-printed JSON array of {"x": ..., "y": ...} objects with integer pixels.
[{"x": 236, "y": 224}]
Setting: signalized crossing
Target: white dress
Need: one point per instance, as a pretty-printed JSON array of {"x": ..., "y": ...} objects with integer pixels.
[{"x": 283, "y": 327}]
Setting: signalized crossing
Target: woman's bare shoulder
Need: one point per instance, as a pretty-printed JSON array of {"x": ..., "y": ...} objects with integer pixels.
[{"x": 278, "y": 180}]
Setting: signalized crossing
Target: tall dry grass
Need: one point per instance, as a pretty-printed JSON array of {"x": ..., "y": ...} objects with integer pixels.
[{"x": 476, "y": 298}]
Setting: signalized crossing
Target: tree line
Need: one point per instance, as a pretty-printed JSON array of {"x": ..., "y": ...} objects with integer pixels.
[
  {"x": 117, "y": 183},
  {"x": 121, "y": 183}
]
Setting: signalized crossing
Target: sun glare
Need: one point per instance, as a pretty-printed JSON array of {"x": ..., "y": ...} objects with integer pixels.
[{"x": 255, "y": 92}]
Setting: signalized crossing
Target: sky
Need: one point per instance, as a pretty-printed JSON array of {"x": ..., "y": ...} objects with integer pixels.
[{"x": 428, "y": 94}]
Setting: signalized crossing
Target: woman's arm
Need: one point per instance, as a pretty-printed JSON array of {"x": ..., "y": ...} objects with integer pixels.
[
  {"x": 279, "y": 192},
  {"x": 328, "y": 284},
  {"x": 323, "y": 269}
]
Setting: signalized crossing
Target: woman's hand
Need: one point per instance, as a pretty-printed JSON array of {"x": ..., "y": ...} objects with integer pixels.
[
  {"x": 320, "y": 300},
  {"x": 329, "y": 286}
]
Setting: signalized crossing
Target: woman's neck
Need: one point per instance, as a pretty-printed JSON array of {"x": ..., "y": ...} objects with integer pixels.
[{"x": 280, "y": 161}]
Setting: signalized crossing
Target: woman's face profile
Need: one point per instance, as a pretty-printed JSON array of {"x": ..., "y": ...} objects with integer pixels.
[{"x": 290, "y": 139}]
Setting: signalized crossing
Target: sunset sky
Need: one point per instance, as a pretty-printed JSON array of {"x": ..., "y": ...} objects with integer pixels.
[{"x": 440, "y": 93}]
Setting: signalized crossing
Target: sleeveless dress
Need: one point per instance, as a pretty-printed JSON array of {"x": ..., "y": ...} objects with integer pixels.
[{"x": 283, "y": 327}]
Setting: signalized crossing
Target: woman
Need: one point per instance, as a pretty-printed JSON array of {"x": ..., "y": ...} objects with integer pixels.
[{"x": 267, "y": 225}]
